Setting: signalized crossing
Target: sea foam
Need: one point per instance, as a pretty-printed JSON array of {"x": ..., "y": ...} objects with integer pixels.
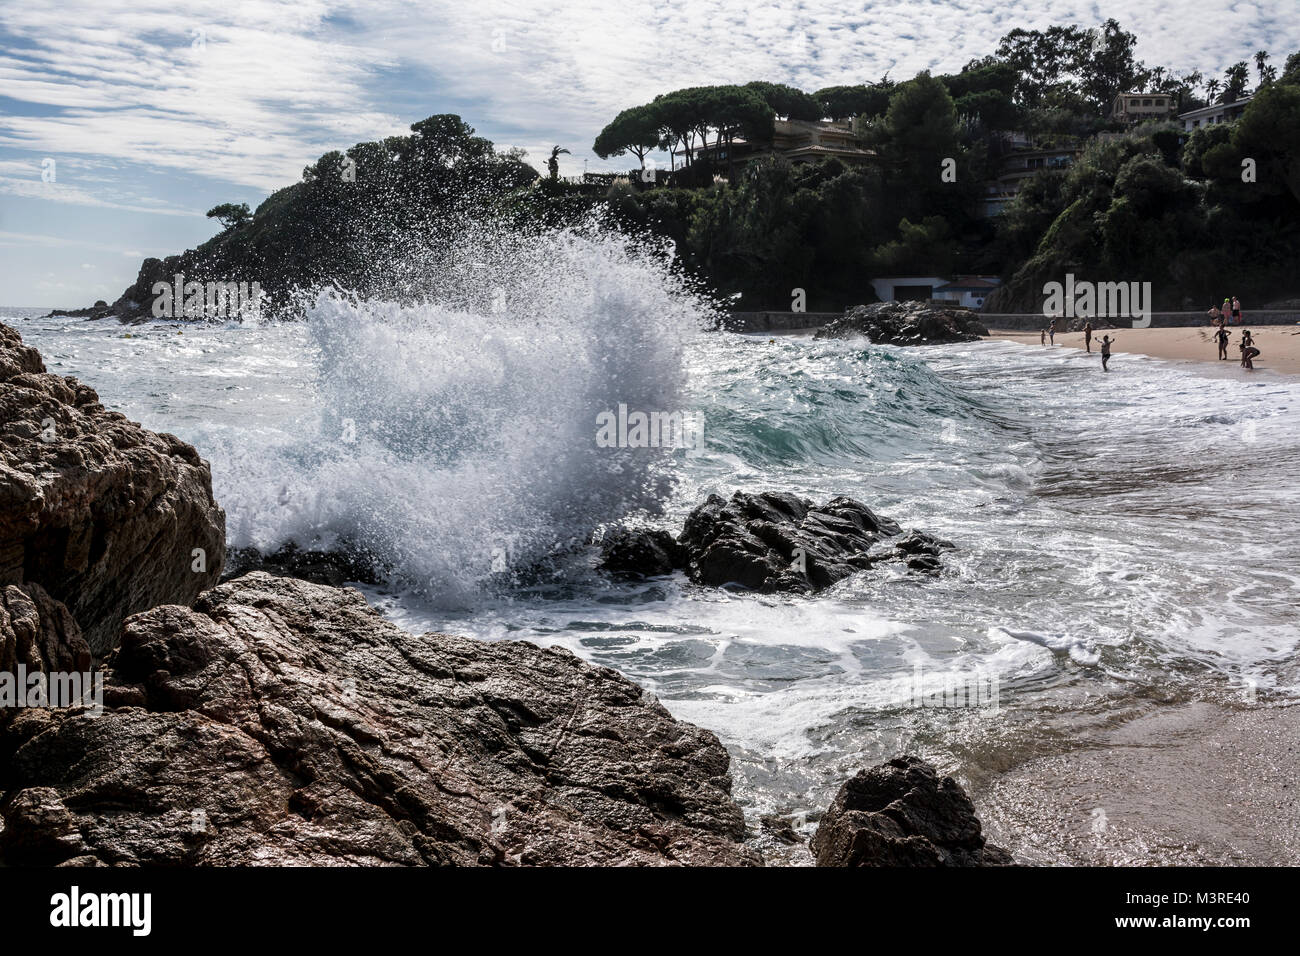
[{"x": 456, "y": 434}]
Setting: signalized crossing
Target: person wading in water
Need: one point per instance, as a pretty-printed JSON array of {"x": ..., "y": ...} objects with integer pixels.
[
  {"x": 1087, "y": 336},
  {"x": 1105, "y": 352}
]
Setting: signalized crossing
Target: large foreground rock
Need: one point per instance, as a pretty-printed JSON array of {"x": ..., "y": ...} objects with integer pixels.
[
  {"x": 903, "y": 813},
  {"x": 904, "y": 323},
  {"x": 284, "y": 722},
  {"x": 107, "y": 517}
]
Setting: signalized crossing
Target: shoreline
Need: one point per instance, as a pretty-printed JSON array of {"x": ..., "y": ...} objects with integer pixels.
[
  {"x": 1279, "y": 345},
  {"x": 1188, "y": 784}
]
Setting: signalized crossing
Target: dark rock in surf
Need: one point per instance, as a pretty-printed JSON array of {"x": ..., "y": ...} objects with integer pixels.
[
  {"x": 280, "y": 722},
  {"x": 904, "y": 323},
  {"x": 100, "y": 310},
  {"x": 335, "y": 568},
  {"x": 920, "y": 551},
  {"x": 641, "y": 553},
  {"x": 780, "y": 542},
  {"x": 902, "y": 813},
  {"x": 780, "y": 829},
  {"x": 108, "y": 517}
]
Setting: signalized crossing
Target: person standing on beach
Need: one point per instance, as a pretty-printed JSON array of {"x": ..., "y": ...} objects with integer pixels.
[
  {"x": 1226, "y": 308},
  {"x": 1051, "y": 331},
  {"x": 1221, "y": 336},
  {"x": 1236, "y": 310},
  {"x": 1042, "y": 336},
  {"x": 1105, "y": 352},
  {"x": 1087, "y": 336}
]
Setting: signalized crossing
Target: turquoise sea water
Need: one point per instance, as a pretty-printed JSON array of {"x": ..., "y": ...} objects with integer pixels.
[{"x": 1122, "y": 539}]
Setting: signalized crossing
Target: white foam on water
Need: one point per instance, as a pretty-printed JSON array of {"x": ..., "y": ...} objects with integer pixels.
[{"x": 458, "y": 442}]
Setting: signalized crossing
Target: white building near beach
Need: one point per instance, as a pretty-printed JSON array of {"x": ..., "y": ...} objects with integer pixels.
[
  {"x": 1214, "y": 114},
  {"x": 968, "y": 291}
]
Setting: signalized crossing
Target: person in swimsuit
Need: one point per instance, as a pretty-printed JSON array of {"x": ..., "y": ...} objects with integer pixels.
[
  {"x": 1051, "y": 331},
  {"x": 1105, "y": 352},
  {"x": 1248, "y": 350},
  {"x": 1236, "y": 310},
  {"x": 1087, "y": 336},
  {"x": 1222, "y": 336}
]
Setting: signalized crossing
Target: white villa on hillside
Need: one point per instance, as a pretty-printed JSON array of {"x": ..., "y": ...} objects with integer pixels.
[
  {"x": 1018, "y": 166},
  {"x": 1213, "y": 114},
  {"x": 796, "y": 140},
  {"x": 1135, "y": 107}
]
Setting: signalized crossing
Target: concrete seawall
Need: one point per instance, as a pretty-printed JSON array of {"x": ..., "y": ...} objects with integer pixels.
[
  {"x": 776, "y": 321},
  {"x": 1010, "y": 321},
  {"x": 1159, "y": 320}
]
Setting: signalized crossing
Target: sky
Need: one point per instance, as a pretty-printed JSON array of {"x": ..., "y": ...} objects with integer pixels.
[{"x": 123, "y": 121}]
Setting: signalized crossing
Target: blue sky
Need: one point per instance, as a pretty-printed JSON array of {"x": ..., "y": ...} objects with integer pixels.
[{"x": 153, "y": 112}]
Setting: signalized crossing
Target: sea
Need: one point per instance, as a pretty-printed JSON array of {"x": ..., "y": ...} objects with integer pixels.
[{"x": 1123, "y": 540}]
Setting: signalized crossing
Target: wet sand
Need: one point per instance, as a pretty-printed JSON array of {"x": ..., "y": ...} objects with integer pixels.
[
  {"x": 1279, "y": 345},
  {"x": 1186, "y": 784}
]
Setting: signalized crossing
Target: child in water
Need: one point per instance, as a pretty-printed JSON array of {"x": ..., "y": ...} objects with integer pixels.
[{"x": 1105, "y": 352}]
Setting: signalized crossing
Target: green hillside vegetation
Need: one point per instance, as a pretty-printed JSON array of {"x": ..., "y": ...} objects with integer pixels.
[{"x": 1148, "y": 203}]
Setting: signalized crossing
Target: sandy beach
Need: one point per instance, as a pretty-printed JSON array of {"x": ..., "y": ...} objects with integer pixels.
[
  {"x": 1192, "y": 784},
  {"x": 1279, "y": 345}
]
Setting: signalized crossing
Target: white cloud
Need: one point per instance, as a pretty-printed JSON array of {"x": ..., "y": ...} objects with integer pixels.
[
  {"x": 64, "y": 193},
  {"x": 266, "y": 87}
]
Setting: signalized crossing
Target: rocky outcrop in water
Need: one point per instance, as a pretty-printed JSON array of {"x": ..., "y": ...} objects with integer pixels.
[
  {"x": 641, "y": 552},
  {"x": 904, "y": 323},
  {"x": 335, "y": 568},
  {"x": 107, "y": 517},
  {"x": 780, "y": 542},
  {"x": 902, "y": 813},
  {"x": 773, "y": 542},
  {"x": 283, "y": 722},
  {"x": 100, "y": 310}
]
